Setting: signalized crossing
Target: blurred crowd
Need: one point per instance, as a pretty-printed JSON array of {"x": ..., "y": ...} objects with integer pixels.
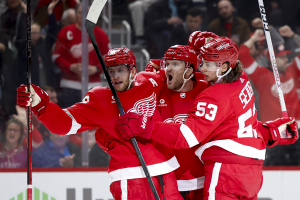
[{"x": 56, "y": 52}]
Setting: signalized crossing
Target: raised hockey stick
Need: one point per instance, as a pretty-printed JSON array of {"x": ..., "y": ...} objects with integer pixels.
[
  {"x": 90, "y": 24},
  {"x": 29, "y": 114},
  {"x": 272, "y": 57}
]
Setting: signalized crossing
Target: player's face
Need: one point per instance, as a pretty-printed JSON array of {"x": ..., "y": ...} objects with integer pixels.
[
  {"x": 209, "y": 69},
  {"x": 120, "y": 77},
  {"x": 282, "y": 62},
  {"x": 13, "y": 133},
  {"x": 174, "y": 72}
]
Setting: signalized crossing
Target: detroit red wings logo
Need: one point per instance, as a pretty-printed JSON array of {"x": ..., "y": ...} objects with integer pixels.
[
  {"x": 179, "y": 119},
  {"x": 145, "y": 106}
]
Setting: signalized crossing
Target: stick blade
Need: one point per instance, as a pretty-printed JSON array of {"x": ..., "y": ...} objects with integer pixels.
[{"x": 95, "y": 10}]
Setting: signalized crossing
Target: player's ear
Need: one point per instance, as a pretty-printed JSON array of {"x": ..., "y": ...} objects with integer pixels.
[
  {"x": 224, "y": 67},
  {"x": 133, "y": 72},
  {"x": 188, "y": 72}
]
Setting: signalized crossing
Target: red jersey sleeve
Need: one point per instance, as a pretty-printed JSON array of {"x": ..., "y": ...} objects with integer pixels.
[
  {"x": 59, "y": 50},
  {"x": 197, "y": 127},
  {"x": 102, "y": 40},
  {"x": 75, "y": 119}
]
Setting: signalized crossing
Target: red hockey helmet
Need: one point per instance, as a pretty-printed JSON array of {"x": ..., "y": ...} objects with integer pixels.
[
  {"x": 120, "y": 56},
  {"x": 182, "y": 52},
  {"x": 220, "y": 50}
]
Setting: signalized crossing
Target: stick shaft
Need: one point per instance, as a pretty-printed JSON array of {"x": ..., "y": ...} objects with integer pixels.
[
  {"x": 29, "y": 113},
  {"x": 272, "y": 57},
  {"x": 90, "y": 29}
]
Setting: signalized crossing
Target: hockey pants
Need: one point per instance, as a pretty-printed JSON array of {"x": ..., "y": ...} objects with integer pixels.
[
  {"x": 225, "y": 181},
  {"x": 139, "y": 189}
]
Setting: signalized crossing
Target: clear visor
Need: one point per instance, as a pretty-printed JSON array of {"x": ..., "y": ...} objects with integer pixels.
[
  {"x": 204, "y": 65},
  {"x": 171, "y": 63},
  {"x": 118, "y": 71}
]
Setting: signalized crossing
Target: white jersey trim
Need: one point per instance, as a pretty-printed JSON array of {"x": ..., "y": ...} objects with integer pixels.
[
  {"x": 124, "y": 189},
  {"x": 188, "y": 135},
  {"x": 233, "y": 147},
  {"x": 249, "y": 70},
  {"x": 75, "y": 125},
  {"x": 214, "y": 181},
  {"x": 297, "y": 62},
  {"x": 137, "y": 172},
  {"x": 54, "y": 57},
  {"x": 192, "y": 184},
  {"x": 77, "y": 84}
]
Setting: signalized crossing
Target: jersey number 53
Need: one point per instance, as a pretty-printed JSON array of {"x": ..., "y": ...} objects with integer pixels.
[{"x": 208, "y": 111}]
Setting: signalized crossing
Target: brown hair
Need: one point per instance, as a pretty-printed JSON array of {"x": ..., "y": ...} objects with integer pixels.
[
  {"x": 234, "y": 74},
  {"x": 14, "y": 120}
]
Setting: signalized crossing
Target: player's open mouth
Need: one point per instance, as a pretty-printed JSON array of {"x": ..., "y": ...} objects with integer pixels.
[{"x": 170, "y": 77}]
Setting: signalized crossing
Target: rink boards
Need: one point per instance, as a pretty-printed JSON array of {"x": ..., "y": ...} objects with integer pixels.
[{"x": 280, "y": 183}]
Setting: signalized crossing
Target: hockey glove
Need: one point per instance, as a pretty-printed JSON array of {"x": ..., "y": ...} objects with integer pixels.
[
  {"x": 198, "y": 38},
  {"x": 153, "y": 65},
  {"x": 37, "y": 97},
  {"x": 281, "y": 133},
  {"x": 132, "y": 124},
  {"x": 104, "y": 140}
]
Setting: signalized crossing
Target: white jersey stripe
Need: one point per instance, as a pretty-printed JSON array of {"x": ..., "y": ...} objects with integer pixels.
[
  {"x": 234, "y": 147},
  {"x": 188, "y": 135},
  {"x": 137, "y": 172},
  {"x": 249, "y": 70},
  {"x": 75, "y": 125},
  {"x": 124, "y": 189},
  {"x": 214, "y": 181},
  {"x": 192, "y": 184},
  {"x": 297, "y": 62}
]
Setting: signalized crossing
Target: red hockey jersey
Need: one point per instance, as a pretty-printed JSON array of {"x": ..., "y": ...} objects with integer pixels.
[
  {"x": 99, "y": 109},
  {"x": 223, "y": 120},
  {"x": 68, "y": 50},
  {"x": 174, "y": 107},
  {"x": 264, "y": 82}
]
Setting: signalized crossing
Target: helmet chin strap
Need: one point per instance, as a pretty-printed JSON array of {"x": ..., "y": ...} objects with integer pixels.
[
  {"x": 130, "y": 80},
  {"x": 220, "y": 77},
  {"x": 184, "y": 80}
]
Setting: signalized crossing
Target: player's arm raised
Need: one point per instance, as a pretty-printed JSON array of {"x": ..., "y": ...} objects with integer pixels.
[{"x": 57, "y": 120}]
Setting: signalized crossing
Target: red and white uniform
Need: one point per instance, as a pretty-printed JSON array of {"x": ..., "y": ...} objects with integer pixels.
[
  {"x": 264, "y": 82},
  {"x": 174, "y": 107},
  {"x": 68, "y": 50},
  {"x": 223, "y": 120},
  {"x": 99, "y": 109}
]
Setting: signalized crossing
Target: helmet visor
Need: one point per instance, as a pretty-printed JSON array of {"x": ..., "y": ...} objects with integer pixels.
[
  {"x": 208, "y": 66},
  {"x": 167, "y": 63}
]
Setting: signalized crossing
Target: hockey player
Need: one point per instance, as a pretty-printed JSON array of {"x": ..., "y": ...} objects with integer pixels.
[
  {"x": 223, "y": 120},
  {"x": 175, "y": 100},
  {"x": 138, "y": 93}
]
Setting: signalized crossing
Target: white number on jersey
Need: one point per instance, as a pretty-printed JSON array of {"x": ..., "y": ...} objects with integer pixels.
[
  {"x": 248, "y": 130},
  {"x": 201, "y": 110}
]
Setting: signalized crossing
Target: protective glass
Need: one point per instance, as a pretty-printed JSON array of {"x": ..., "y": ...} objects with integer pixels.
[
  {"x": 171, "y": 64},
  {"x": 118, "y": 71}
]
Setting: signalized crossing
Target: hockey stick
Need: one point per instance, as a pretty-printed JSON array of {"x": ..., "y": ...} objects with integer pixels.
[
  {"x": 29, "y": 114},
  {"x": 90, "y": 24},
  {"x": 272, "y": 57}
]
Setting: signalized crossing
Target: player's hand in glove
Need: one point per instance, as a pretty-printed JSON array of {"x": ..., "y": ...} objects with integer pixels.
[
  {"x": 132, "y": 124},
  {"x": 37, "y": 97},
  {"x": 153, "y": 65},
  {"x": 104, "y": 140},
  {"x": 198, "y": 38},
  {"x": 283, "y": 131}
]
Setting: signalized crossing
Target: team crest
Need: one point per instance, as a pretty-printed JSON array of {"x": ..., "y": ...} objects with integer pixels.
[
  {"x": 145, "y": 106},
  {"x": 179, "y": 119}
]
